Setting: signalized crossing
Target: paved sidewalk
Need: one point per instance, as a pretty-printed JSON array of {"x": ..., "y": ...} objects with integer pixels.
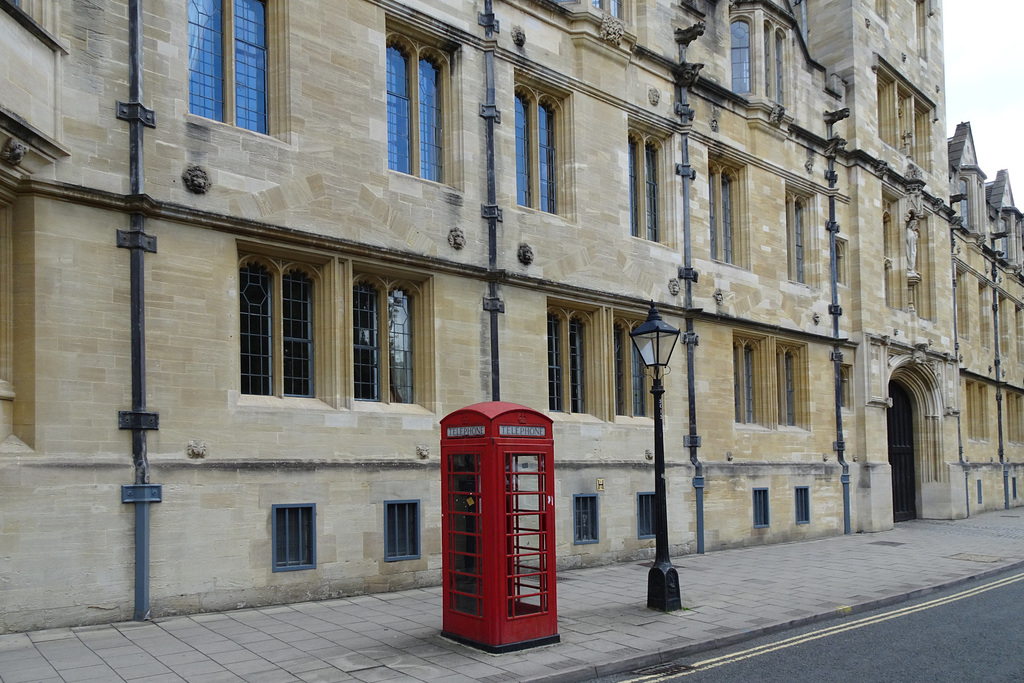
[{"x": 731, "y": 595}]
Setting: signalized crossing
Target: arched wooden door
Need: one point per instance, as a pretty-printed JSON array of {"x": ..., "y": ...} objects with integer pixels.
[{"x": 901, "y": 455}]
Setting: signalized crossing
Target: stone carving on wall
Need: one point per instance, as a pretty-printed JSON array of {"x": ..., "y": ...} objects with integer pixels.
[
  {"x": 196, "y": 449},
  {"x": 673, "y": 286},
  {"x": 456, "y": 238},
  {"x": 518, "y": 36},
  {"x": 13, "y": 152},
  {"x": 912, "y": 237},
  {"x": 196, "y": 179},
  {"x": 422, "y": 451},
  {"x": 835, "y": 145},
  {"x": 809, "y": 162},
  {"x": 612, "y": 29},
  {"x": 686, "y": 73},
  {"x": 715, "y": 114},
  {"x": 525, "y": 254},
  {"x": 775, "y": 117},
  {"x": 880, "y": 168},
  {"x": 654, "y": 95}
]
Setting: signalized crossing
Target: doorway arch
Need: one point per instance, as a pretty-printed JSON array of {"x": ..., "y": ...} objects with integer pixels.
[{"x": 901, "y": 454}]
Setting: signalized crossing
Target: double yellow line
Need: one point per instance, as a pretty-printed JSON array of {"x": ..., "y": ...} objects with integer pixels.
[{"x": 830, "y": 631}]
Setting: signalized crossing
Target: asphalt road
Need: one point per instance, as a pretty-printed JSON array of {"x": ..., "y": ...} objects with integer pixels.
[{"x": 967, "y": 634}]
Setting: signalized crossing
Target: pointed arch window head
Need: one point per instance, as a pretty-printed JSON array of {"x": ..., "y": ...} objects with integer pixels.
[
  {"x": 740, "y": 42},
  {"x": 415, "y": 112}
]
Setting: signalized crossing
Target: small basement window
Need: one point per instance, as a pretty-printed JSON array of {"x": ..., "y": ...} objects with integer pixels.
[{"x": 294, "y": 537}]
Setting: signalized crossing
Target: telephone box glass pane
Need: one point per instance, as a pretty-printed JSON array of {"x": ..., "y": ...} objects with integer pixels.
[
  {"x": 526, "y": 536},
  {"x": 464, "y": 532}
]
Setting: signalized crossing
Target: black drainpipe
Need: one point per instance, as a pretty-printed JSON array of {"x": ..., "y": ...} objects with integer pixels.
[
  {"x": 998, "y": 363},
  {"x": 686, "y": 76},
  {"x": 956, "y": 354},
  {"x": 836, "y": 143},
  {"x": 138, "y": 419},
  {"x": 490, "y": 211}
]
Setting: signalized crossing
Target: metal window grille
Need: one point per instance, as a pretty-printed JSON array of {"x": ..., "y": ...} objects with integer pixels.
[
  {"x": 523, "y": 175},
  {"x": 254, "y": 330},
  {"x": 1015, "y": 488},
  {"x": 293, "y": 537},
  {"x": 760, "y": 508},
  {"x": 554, "y": 363},
  {"x": 979, "y": 492},
  {"x": 634, "y": 199},
  {"x": 400, "y": 346},
  {"x": 366, "y": 343},
  {"x": 577, "y": 387},
  {"x": 430, "y": 121},
  {"x": 205, "y": 59},
  {"x": 803, "y": 505},
  {"x": 740, "y": 50},
  {"x": 651, "y": 179},
  {"x": 398, "y": 111},
  {"x": 645, "y": 515},
  {"x": 251, "y": 65},
  {"x": 639, "y": 382},
  {"x": 297, "y": 336},
  {"x": 401, "y": 530},
  {"x": 618, "y": 339},
  {"x": 546, "y": 138},
  {"x": 584, "y": 516}
]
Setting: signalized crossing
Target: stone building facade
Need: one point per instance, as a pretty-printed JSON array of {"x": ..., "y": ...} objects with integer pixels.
[{"x": 328, "y": 225}]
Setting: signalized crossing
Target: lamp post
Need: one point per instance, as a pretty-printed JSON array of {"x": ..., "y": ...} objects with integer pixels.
[{"x": 654, "y": 341}]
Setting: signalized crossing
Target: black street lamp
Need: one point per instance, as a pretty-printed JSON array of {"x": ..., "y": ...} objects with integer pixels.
[{"x": 654, "y": 341}]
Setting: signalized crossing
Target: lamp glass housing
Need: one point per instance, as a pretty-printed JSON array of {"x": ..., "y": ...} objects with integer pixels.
[{"x": 655, "y": 340}]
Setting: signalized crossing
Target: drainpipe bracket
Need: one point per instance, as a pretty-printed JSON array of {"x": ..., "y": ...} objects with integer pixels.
[
  {"x": 489, "y": 111},
  {"x": 489, "y": 211},
  {"x": 135, "y": 111},
  {"x": 839, "y": 446},
  {"x": 137, "y": 419},
  {"x": 691, "y": 441},
  {"x": 135, "y": 239},
  {"x": 493, "y": 303},
  {"x": 142, "y": 493}
]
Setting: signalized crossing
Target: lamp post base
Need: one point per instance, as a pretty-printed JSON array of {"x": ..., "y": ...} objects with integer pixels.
[{"x": 663, "y": 588}]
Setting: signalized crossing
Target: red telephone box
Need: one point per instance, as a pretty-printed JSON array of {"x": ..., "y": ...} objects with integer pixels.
[{"x": 498, "y": 521}]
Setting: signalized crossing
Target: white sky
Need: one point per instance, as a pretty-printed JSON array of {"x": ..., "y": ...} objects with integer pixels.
[{"x": 985, "y": 81}]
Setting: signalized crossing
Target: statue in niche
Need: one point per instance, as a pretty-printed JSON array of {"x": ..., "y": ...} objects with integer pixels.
[{"x": 912, "y": 236}]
